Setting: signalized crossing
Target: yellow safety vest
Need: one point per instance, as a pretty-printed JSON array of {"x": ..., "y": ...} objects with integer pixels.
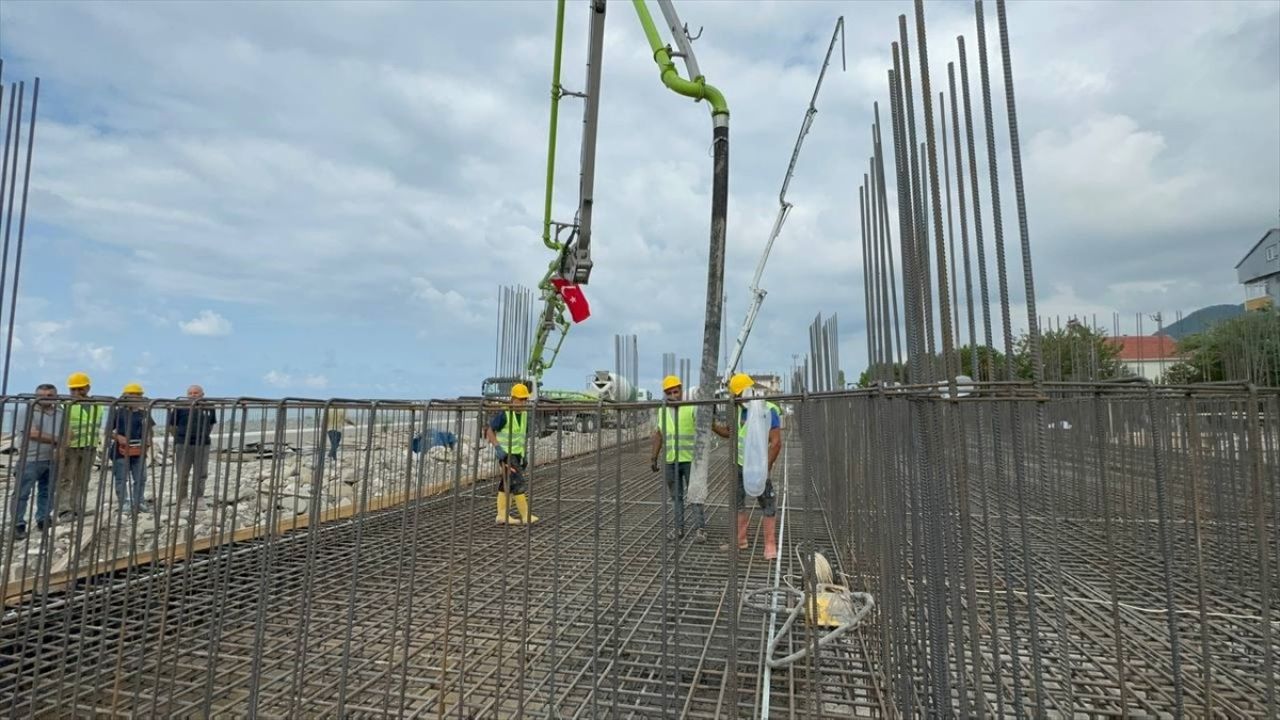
[
  {"x": 511, "y": 436},
  {"x": 678, "y": 431},
  {"x": 85, "y": 425}
]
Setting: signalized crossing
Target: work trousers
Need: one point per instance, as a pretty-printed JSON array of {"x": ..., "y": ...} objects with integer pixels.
[
  {"x": 192, "y": 459},
  {"x": 37, "y": 475},
  {"x": 765, "y": 501},
  {"x": 130, "y": 494},
  {"x": 513, "y": 475},
  {"x": 677, "y": 474},
  {"x": 73, "y": 479}
]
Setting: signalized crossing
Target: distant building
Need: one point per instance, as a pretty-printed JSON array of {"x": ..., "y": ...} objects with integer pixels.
[
  {"x": 1147, "y": 356},
  {"x": 1259, "y": 272},
  {"x": 771, "y": 384}
]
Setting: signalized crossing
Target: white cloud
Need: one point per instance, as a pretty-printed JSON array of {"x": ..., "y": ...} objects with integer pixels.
[
  {"x": 1105, "y": 172},
  {"x": 454, "y": 306},
  {"x": 278, "y": 379},
  {"x": 100, "y": 357},
  {"x": 207, "y": 322},
  {"x": 54, "y": 345},
  {"x": 209, "y": 190}
]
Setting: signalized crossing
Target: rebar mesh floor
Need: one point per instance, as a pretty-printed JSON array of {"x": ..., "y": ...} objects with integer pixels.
[{"x": 419, "y": 611}]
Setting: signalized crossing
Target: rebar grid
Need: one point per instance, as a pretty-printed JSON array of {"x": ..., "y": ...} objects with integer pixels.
[
  {"x": 423, "y": 608},
  {"x": 1150, "y": 530},
  {"x": 419, "y": 609}
]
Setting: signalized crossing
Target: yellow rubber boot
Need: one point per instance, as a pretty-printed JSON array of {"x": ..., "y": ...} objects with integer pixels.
[
  {"x": 522, "y": 505},
  {"x": 503, "y": 518}
]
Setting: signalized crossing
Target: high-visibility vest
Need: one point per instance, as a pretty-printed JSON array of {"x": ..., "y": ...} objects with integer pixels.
[
  {"x": 85, "y": 425},
  {"x": 742, "y": 428},
  {"x": 678, "y": 431},
  {"x": 511, "y": 436}
]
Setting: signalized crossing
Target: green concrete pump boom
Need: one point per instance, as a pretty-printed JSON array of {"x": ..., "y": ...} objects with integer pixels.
[{"x": 571, "y": 241}]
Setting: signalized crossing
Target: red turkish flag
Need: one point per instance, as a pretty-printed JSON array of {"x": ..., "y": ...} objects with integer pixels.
[{"x": 574, "y": 299}]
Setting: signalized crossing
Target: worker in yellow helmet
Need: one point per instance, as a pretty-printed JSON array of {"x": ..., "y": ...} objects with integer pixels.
[
  {"x": 131, "y": 425},
  {"x": 507, "y": 432},
  {"x": 674, "y": 428},
  {"x": 738, "y": 384},
  {"x": 83, "y": 438}
]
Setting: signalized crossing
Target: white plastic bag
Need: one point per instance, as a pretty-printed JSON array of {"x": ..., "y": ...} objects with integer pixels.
[{"x": 755, "y": 454}]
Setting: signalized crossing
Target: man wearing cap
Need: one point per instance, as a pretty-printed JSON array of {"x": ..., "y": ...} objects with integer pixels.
[
  {"x": 507, "y": 432},
  {"x": 84, "y": 436},
  {"x": 130, "y": 424},
  {"x": 737, "y": 385},
  {"x": 674, "y": 428}
]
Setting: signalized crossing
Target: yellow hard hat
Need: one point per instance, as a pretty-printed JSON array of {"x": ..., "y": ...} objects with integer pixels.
[
  {"x": 519, "y": 391},
  {"x": 670, "y": 381},
  {"x": 740, "y": 382},
  {"x": 132, "y": 389},
  {"x": 77, "y": 380}
]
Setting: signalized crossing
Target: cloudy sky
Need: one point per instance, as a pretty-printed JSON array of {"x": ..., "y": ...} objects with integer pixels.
[{"x": 322, "y": 199}]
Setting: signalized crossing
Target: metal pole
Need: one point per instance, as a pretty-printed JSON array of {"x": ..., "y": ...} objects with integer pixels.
[{"x": 22, "y": 225}]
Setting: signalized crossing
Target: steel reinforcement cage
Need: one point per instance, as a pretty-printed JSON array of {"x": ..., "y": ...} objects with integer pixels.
[{"x": 1119, "y": 562}]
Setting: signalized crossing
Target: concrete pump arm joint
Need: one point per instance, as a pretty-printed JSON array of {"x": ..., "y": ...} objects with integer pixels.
[{"x": 697, "y": 88}]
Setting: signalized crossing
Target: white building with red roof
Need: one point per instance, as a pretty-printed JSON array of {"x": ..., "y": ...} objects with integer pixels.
[{"x": 1148, "y": 356}]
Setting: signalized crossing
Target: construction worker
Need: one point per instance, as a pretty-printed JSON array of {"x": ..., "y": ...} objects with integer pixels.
[
  {"x": 336, "y": 420},
  {"x": 84, "y": 433},
  {"x": 192, "y": 431},
  {"x": 130, "y": 424},
  {"x": 674, "y": 429},
  {"x": 507, "y": 432},
  {"x": 737, "y": 385},
  {"x": 39, "y": 429}
]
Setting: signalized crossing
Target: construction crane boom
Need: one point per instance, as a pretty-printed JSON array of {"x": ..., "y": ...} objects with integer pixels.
[{"x": 784, "y": 208}]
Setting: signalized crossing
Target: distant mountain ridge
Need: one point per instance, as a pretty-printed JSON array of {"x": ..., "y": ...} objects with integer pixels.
[{"x": 1201, "y": 320}]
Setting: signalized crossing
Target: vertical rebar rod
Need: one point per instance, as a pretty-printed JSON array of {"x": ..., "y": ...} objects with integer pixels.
[
  {"x": 9, "y": 175},
  {"x": 919, "y": 247},
  {"x": 1258, "y": 491},
  {"x": 877, "y": 363},
  {"x": 886, "y": 251},
  {"x": 867, "y": 280},
  {"x": 964, "y": 225},
  {"x": 951, "y": 237},
  {"x": 1016, "y": 441},
  {"x": 906, "y": 221},
  {"x": 22, "y": 226}
]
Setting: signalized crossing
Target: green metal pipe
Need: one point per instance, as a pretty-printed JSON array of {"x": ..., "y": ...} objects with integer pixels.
[
  {"x": 556, "y": 92},
  {"x": 697, "y": 88}
]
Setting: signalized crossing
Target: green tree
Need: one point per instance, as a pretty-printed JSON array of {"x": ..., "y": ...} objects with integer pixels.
[
  {"x": 898, "y": 371},
  {"x": 1244, "y": 348},
  {"x": 901, "y": 373},
  {"x": 988, "y": 357},
  {"x": 1073, "y": 353}
]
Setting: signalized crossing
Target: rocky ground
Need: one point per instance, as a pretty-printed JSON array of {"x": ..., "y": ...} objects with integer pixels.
[{"x": 254, "y": 486}]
